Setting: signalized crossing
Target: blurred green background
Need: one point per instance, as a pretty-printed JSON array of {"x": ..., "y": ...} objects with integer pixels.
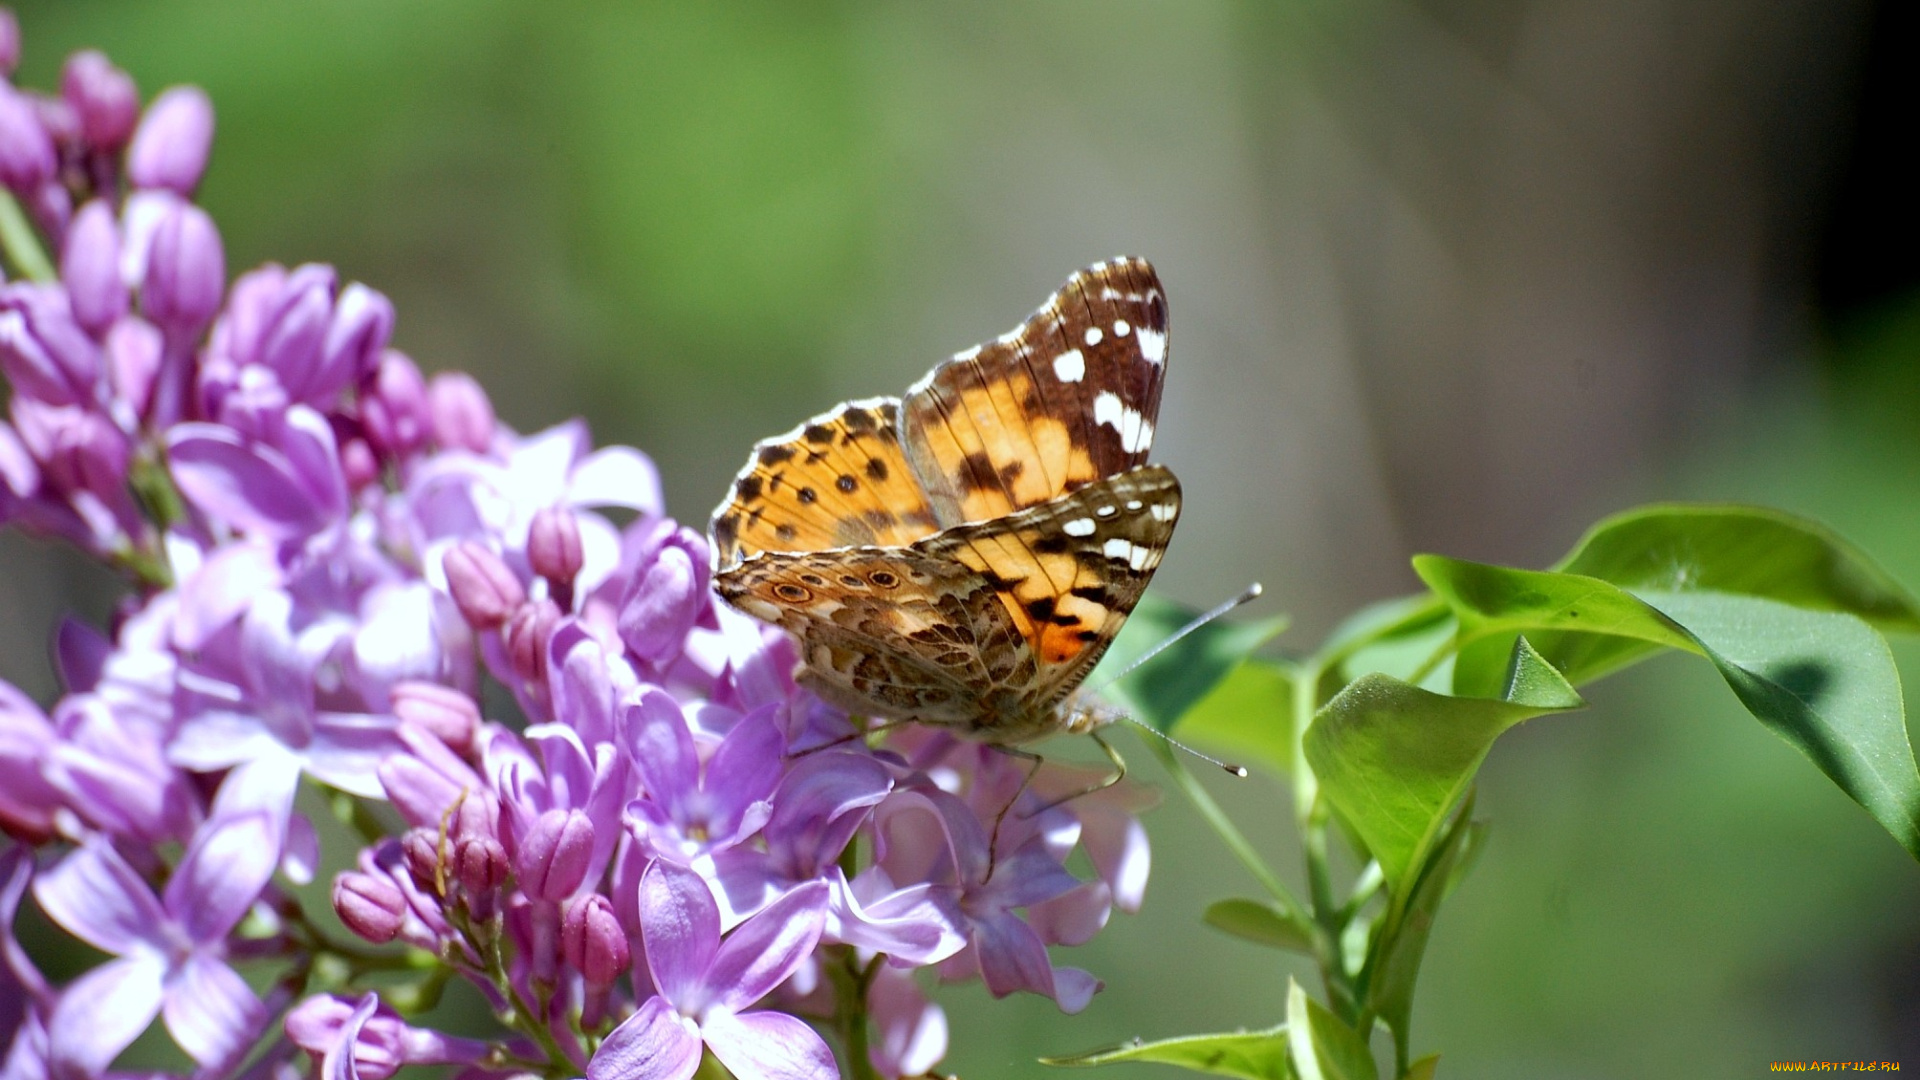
[{"x": 1455, "y": 275}]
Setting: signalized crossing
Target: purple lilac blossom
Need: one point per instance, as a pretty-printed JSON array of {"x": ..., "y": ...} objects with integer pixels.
[{"x": 330, "y": 557}]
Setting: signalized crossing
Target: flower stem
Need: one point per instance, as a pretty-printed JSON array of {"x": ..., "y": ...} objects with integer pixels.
[
  {"x": 850, "y": 984},
  {"x": 17, "y": 239}
]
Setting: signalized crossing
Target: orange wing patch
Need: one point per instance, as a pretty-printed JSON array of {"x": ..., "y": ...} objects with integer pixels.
[{"x": 839, "y": 480}]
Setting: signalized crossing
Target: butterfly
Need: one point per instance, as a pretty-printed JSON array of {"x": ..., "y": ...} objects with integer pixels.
[{"x": 963, "y": 556}]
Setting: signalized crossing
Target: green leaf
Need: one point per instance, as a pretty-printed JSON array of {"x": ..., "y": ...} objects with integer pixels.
[
  {"x": 1424, "y": 1069},
  {"x": 1260, "y": 922},
  {"x": 1161, "y": 690},
  {"x": 1394, "y": 759},
  {"x": 1250, "y": 1055},
  {"x": 1324, "y": 1047},
  {"x": 1402, "y": 942},
  {"x": 1823, "y": 681},
  {"x": 1247, "y": 717},
  {"x": 1743, "y": 549},
  {"x": 1583, "y": 626}
]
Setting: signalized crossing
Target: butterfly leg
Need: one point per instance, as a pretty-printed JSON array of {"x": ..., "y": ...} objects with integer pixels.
[
  {"x": 1119, "y": 773},
  {"x": 851, "y": 737},
  {"x": 993, "y": 843}
]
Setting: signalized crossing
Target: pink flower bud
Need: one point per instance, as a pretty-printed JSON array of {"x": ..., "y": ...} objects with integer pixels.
[
  {"x": 362, "y": 322},
  {"x": 554, "y": 855},
  {"x": 134, "y": 350},
  {"x": 462, "y": 415},
  {"x": 26, "y": 147},
  {"x": 103, "y": 98},
  {"x": 451, "y": 716},
  {"x": 370, "y": 906},
  {"x": 394, "y": 407},
  {"x": 526, "y": 635},
  {"x": 592, "y": 941},
  {"x": 171, "y": 145},
  {"x": 9, "y": 42},
  {"x": 420, "y": 849},
  {"x": 186, "y": 271},
  {"x": 358, "y": 463},
  {"x": 553, "y": 545},
  {"x": 484, "y": 590},
  {"x": 480, "y": 864},
  {"x": 90, "y": 268}
]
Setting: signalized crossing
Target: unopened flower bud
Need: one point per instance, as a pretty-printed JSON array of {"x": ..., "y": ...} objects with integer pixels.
[
  {"x": 359, "y": 466},
  {"x": 484, "y": 590},
  {"x": 592, "y": 941},
  {"x": 554, "y": 855},
  {"x": 553, "y": 545},
  {"x": 362, "y": 321},
  {"x": 462, "y": 415},
  {"x": 451, "y": 716},
  {"x": 667, "y": 593},
  {"x": 170, "y": 146},
  {"x": 103, "y": 98},
  {"x": 90, "y": 268},
  {"x": 394, "y": 407},
  {"x": 420, "y": 850},
  {"x": 9, "y": 42},
  {"x": 27, "y": 159},
  {"x": 480, "y": 864},
  {"x": 43, "y": 352},
  {"x": 186, "y": 271},
  {"x": 526, "y": 635},
  {"x": 370, "y": 906},
  {"x": 133, "y": 349}
]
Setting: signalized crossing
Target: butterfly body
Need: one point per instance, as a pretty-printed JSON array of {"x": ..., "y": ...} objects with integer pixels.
[{"x": 963, "y": 556}]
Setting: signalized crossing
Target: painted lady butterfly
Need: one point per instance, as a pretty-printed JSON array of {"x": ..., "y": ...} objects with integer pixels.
[{"x": 964, "y": 556}]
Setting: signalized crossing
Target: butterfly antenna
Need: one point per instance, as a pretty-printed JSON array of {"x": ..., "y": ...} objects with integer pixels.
[
  {"x": 1237, "y": 770},
  {"x": 1249, "y": 593}
]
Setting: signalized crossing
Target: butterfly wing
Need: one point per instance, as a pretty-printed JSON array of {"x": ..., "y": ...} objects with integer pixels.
[
  {"x": 1065, "y": 400},
  {"x": 1069, "y": 572},
  {"x": 838, "y": 480},
  {"x": 883, "y": 631}
]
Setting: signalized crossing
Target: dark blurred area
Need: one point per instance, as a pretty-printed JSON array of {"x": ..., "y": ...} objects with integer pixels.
[{"x": 1456, "y": 276}]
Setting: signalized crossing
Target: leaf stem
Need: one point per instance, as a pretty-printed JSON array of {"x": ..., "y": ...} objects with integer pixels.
[{"x": 17, "y": 239}]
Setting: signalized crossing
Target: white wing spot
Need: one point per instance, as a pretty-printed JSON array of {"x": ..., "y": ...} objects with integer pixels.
[
  {"x": 1105, "y": 511},
  {"x": 967, "y": 354},
  {"x": 1120, "y": 328},
  {"x": 1134, "y": 504},
  {"x": 1070, "y": 366},
  {"x": 1141, "y": 558},
  {"x": 1165, "y": 512},
  {"x": 1094, "y": 335},
  {"x": 1117, "y": 548},
  {"x": 1153, "y": 346},
  {"x": 1135, "y": 431},
  {"x": 1078, "y": 527}
]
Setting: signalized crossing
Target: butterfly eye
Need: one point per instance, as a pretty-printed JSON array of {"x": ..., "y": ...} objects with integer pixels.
[
  {"x": 792, "y": 593},
  {"x": 883, "y": 579}
]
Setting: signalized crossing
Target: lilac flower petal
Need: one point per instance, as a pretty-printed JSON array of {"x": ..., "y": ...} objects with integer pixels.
[
  {"x": 338, "y": 1063},
  {"x": 102, "y": 1012},
  {"x": 1073, "y": 989},
  {"x": 300, "y": 856},
  {"x": 652, "y": 1044},
  {"x": 744, "y": 771},
  {"x": 16, "y": 873},
  {"x": 228, "y": 582},
  {"x": 222, "y": 874},
  {"x": 210, "y": 1011},
  {"x": 820, "y": 804},
  {"x": 348, "y": 748},
  {"x": 913, "y": 1030},
  {"x": 616, "y": 476},
  {"x": 219, "y": 738},
  {"x": 661, "y": 748},
  {"x": 768, "y": 1046},
  {"x": 170, "y": 147},
  {"x": 764, "y": 950},
  {"x": 90, "y": 268},
  {"x": 1073, "y": 917},
  {"x": 310, "y": 447},
  {"x": 583, "y": 695},
  {"x": 98, "y": 898},
  {"x": 80, "y": 653},
  {"x": 232, "y": 481},
  {"x": 680, "y": 924},
  {"x": 920, "y": 924},
  {"x": 1011, "y": 956}
]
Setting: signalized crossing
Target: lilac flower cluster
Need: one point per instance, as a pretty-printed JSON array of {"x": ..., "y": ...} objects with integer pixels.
[{"x": 673, "y": 852}]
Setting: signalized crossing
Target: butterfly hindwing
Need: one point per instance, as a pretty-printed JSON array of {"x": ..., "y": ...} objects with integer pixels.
[
  {"x": 1068, "y": 398},
  {"x": 838, "y": 480},
  {"x": 887, "y": 631},
  {"x": 1070, "y": 571}
]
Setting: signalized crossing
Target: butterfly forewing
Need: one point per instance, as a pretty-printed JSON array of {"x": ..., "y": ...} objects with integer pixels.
[
  {"x": 1063, "y": 401},
  {"x": 838, "y": 480}
]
